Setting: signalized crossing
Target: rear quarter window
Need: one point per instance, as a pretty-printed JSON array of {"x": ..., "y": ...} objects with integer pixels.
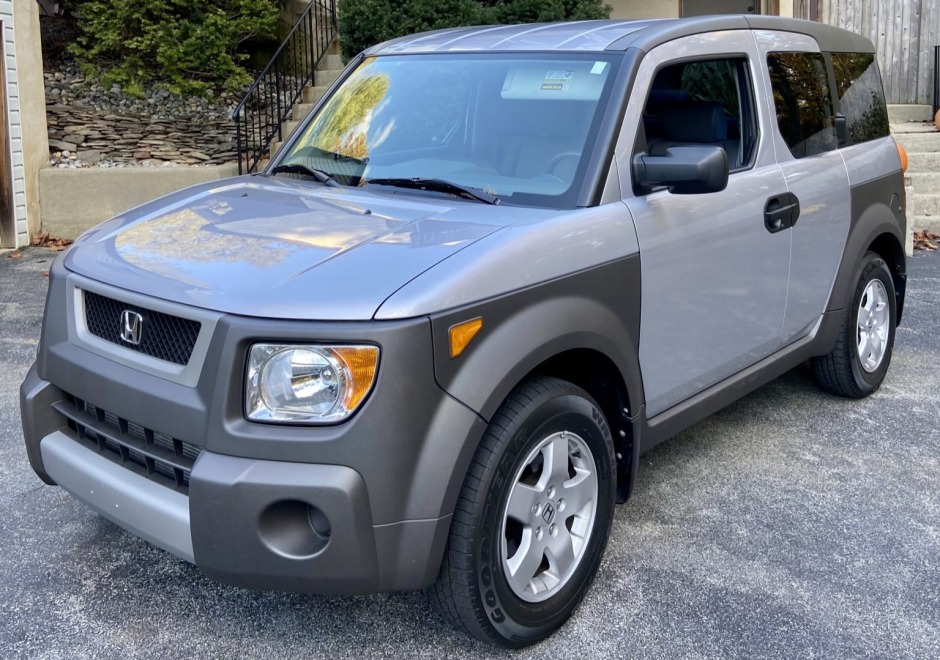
[
  {"x": 861, "y": 96},
  {"x": 805, "y": 114}
]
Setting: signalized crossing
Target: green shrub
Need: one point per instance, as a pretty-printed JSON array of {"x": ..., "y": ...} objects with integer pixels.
[
  {"x": 364, "y": 23},
  {"x": 187, "y": 45}
]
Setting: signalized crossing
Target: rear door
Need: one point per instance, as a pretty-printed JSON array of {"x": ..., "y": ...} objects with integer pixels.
[
  {"x": 794, "y": 74},
  {"x": 714, "y": 279}
]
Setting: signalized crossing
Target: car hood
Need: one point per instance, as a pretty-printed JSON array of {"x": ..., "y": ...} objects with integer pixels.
[{"x": 280, "y": 248}]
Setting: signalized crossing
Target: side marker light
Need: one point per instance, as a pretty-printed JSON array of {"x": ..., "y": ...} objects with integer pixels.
[{"x": 462, "y": 334}]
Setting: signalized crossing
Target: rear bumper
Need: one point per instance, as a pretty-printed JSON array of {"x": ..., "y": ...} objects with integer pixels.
[{"x": 247, "y": 522}]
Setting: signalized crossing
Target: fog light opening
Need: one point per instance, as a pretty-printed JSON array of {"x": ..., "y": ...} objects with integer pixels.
[{"x": 294, "y": 529}]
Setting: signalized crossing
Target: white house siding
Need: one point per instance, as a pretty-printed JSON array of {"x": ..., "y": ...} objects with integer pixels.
[{"x": 13, "y": 124}]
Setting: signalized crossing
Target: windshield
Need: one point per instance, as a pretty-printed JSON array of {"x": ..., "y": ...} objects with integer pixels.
[{"x": 505, "y": 125}]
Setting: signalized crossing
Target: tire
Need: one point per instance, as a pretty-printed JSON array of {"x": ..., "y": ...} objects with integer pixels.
[
  {"x": 857, "y": 365},
  {"x": 484, "y": 587}
]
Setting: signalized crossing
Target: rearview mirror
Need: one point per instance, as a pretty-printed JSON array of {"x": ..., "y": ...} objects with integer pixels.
[{"x": 684, "y": 170}]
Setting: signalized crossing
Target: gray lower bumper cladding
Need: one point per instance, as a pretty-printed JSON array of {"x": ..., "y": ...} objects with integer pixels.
[{"x": 147, "y": 509}]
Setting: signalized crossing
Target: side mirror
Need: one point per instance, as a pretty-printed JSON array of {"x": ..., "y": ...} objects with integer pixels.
[{"x": 684, "y": 170}]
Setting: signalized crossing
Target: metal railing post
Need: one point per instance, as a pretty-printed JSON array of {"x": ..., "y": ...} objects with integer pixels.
[
  {"x": 314, "y": 44},
  {"x": 238, "y": 142},
  {"x": 936, "y": 81}
]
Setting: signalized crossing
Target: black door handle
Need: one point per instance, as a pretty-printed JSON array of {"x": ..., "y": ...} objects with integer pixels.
[{"x": 781, "y": 212}]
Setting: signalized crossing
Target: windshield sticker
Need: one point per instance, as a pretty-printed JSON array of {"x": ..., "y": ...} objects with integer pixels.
[
  {"x": 557, "y": 81},
  {"x": 598, "y": 68}
]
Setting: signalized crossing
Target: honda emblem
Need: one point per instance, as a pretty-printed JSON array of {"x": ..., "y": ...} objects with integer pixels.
[{"x": 132, "y": 326}]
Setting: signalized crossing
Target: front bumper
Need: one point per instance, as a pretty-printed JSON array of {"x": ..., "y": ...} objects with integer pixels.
[{"x": 246, "y": 522}]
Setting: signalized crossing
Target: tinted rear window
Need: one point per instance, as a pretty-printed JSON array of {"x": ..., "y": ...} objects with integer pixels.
[
  {"x": 803, "y": 102},
  {"x": 861, "y": 96}
]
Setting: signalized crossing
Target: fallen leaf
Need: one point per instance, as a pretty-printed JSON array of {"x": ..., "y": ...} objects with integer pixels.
[
  {"x": 925, "y": 240},
  {"x": 43, "y": 239}
]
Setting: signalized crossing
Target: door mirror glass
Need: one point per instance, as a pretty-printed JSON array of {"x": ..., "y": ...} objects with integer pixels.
[{"x": 684, "y": 170}]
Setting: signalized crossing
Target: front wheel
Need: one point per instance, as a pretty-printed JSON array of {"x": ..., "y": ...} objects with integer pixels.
[
  {"x": 860, "y": 359},
  {"x": 532, "y": 519}
]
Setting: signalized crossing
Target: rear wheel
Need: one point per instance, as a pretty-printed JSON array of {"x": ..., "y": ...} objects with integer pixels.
[
  {"x": 857, "y": 365},
  {"x": 532, "y": 518}
]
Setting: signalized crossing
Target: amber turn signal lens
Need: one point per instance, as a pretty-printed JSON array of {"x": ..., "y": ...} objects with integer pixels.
[
  {"x": 902, "y": 152},
  {"x": 361, "y": 363},
  {"x": 462, "y": 334}
]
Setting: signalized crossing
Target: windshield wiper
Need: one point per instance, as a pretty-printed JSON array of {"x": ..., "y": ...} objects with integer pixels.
[
  {"x": 336, "y": 156},
  {"x": 300, "y": 168},
  {"x": 437, "y": 185}
]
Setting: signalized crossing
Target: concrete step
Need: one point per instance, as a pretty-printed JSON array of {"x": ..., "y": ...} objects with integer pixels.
[
  {"x": 929, "y": 222},
  {"x": 923, "y": 162},
  {"x": 925, "y": 182},
  {"x": 314, "y": 94},
  {"x": 326, "y": 77},
  {"x": 301, "y": 110},
  {"x": 288, "y": 127},
  {"x": 275, "y": 147},
  {"x": 909, "y": 112},
  {"x": 927, "y": 204},
  {"x": 900, "y": 128},
  {"x": 919, "y": 142},
  {"x": 331, "y": 61}
]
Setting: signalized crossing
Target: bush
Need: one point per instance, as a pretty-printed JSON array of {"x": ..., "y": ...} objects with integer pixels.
[
  {"x": 364, "y": 23},
  {"x": 187, "y": 45}
]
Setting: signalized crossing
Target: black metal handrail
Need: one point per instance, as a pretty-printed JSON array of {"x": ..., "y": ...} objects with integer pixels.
[{"x": 272, "y": 96}]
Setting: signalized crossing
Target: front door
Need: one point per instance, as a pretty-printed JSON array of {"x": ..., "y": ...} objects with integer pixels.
[{"x": 714, "y": 276}]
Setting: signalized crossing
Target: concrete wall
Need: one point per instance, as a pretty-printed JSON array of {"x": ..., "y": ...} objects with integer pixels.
[{"x": 74, "y": 200}]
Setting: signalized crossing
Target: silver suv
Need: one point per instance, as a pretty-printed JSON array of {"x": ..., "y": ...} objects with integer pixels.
[{"x": 426, "y": 347}]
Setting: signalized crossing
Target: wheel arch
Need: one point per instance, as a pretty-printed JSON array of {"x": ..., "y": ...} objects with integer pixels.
[
  {"x": 583, "y": 328},
  {"x": 875, "y": 228},
  {"x": 888, "y": 247},
  {"x": 596, "y": 374}
]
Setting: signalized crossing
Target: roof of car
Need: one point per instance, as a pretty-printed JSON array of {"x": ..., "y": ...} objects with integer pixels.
[{"x": 610, "y": 35}]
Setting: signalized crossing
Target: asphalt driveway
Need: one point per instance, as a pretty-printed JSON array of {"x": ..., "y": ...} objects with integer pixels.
[{"x": 792, "y": 524}]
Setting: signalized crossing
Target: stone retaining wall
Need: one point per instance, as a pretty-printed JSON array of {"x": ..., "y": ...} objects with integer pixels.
[{"x": 101, "y": 125}]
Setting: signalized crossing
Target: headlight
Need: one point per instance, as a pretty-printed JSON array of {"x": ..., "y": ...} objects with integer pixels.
[{"x": 308, "y": 383}]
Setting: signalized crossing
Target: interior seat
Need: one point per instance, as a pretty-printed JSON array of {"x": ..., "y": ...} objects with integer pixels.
[{"x": 694, "y": 123}]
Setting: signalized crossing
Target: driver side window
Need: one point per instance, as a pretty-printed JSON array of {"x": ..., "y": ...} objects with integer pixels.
[{"x": 702, "y": 103}]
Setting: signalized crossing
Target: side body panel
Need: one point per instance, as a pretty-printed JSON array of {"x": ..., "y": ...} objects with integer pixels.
[{"x": 713, "y": 278}]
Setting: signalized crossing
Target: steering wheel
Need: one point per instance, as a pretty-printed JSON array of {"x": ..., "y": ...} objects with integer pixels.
[{"x": 558, "y": 158}]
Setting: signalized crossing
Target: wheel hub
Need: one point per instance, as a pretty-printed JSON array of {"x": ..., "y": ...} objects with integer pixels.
[
  {"x": 549, "y": 516},
  {"x": 548, "y": 513},
  {"x": 873, "y": 326}
]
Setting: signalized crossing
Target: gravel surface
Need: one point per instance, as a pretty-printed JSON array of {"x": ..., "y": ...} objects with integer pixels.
[{"x": 791, "y": 524}]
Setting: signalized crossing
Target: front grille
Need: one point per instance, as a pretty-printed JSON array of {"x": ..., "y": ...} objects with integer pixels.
[
  {"x": 163, "y": 336},
  {"x": 157, "y": 456}
]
